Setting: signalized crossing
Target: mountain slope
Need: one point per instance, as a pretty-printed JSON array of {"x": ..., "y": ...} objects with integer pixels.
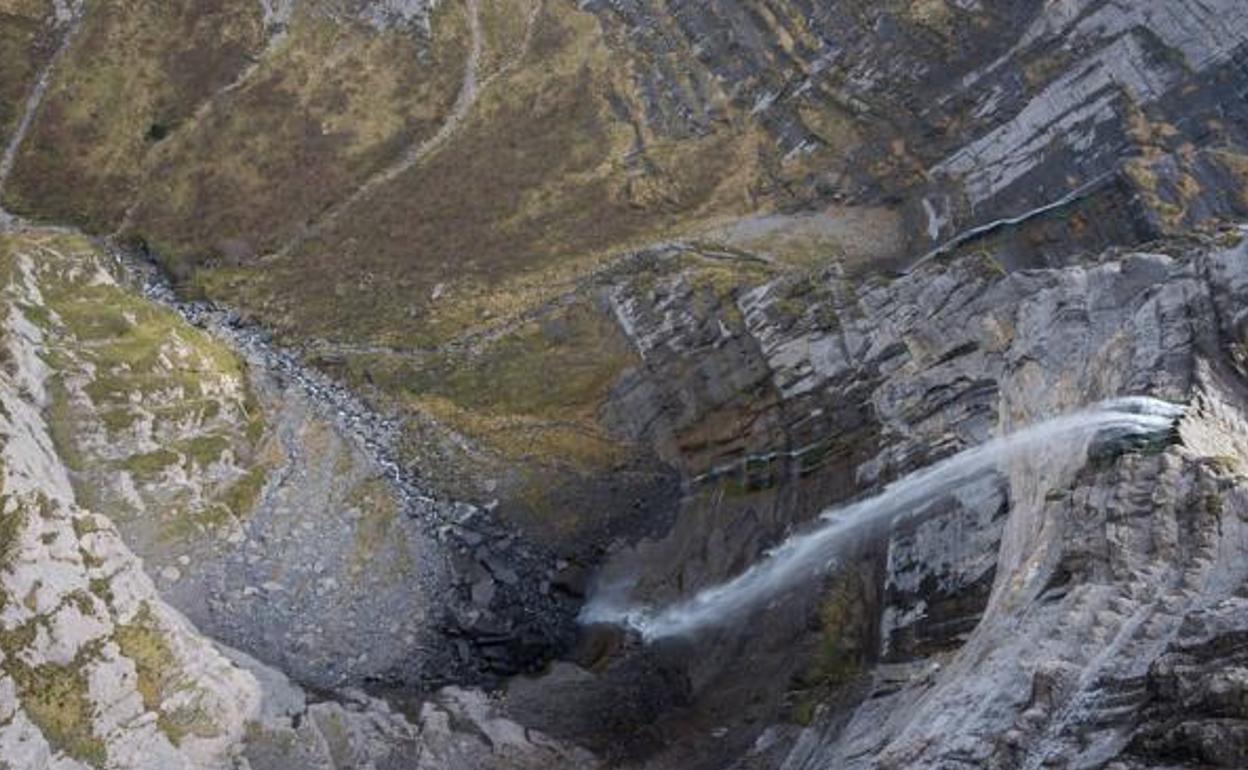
[
  {"x": 485, "y": 309},
  {"x": 97, "y": 669}
]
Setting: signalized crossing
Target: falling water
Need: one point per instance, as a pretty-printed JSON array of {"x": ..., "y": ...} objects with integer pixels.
[{"x": 801, "y": 556}]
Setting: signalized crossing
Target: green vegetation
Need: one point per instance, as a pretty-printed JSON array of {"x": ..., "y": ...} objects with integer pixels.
[
  {"x": 89, "y": 560},
  {"x": 135, "y": 347},
  {"x": 559, "y": 166},
  {"x": 241, "y": 496},
  {"x": 336, "y": 103},
  {"x": 841, "y": 649},
  {"x": 102, "y": 588},
  {"x": 145, "y": 645},
  {"x": 150, "y": 465},
  {"x": 935, "y": 15},
  {"x": 26, "y": 45},
  {"x": 109, "y": 344},
  {"x": 11, "y": 525},
  {"x": 116, "y": 420},
  {"x": 556, "y": 172},
  {"x": 160, "y": 58},
  {"x": 840, "y": 655},
  {"x": 1213, "y": 504},
  {"x": 84, "y": 525},
  {"x": 541, "y": 370},
  {"x": 60, "y": 420},
  {"x": 532, "y": 394},
  {"x": 203, "y": 451},
  {"x": 541, "y": 196},
  {"x": 159, "y": 676},
  {"x": 504, "y": 24},
  {"x": 55, "y": 697},
  {"x": 120, "y": 361}
]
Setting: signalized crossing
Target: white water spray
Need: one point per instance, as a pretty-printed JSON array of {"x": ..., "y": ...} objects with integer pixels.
[{"x": 804, "y": 555}]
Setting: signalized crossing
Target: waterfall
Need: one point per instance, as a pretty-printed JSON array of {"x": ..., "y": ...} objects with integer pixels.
[{"x": 806, "y": 554}]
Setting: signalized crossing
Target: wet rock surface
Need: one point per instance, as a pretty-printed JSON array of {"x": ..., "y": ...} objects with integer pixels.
[
  {"x": 998, "y": 590},
  {"x": 962, "y": 219}
]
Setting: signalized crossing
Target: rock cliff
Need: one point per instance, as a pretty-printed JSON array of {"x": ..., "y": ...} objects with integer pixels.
[
  {"x": 352, "y": 347},
  {"x": 98, "y": 667}
]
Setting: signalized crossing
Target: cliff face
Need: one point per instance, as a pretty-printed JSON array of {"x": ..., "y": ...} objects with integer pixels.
[
  {"x": 95, "y": 665},
  {"x": 484, "y": 308},
  {"x": 98, "y": 667},
  {"x": 1057, "y": 632},
  {"x": 1041, "y": 613},
  {"x": 988, "y": 103},
  {"x": 290, "y": 159}
]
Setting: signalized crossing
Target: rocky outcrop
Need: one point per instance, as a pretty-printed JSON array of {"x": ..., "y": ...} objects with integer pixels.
[
  {"x": 97, "y": 667},
  {"x": 960, "y": 219},
  {"x": 1121, "y": 567},
  {"x": 457, "y": 728},
  {"x": 252, "y": 511},
  {"x": 1038, "y": 615},
  {"x": 976, "y": 115}
]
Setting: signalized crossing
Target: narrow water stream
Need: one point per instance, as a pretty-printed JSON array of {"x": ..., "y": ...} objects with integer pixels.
[{"x": 804, "y": 555}]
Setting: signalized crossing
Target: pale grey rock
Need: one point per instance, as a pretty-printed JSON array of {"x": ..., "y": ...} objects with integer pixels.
[
  {"x": 1099, "y": 570},
  {"x": 98, "y": 670},
  {"x": 386, "y": 13},
  {"x": 1041, "y": 616},
  {"x": 327, "y": 543},
  {"x": 70, "y": 588}
]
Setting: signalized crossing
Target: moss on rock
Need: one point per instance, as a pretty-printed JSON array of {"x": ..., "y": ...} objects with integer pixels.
[
  {"x": 159, "y": 676},
  {"x": 56, "y": 697}
]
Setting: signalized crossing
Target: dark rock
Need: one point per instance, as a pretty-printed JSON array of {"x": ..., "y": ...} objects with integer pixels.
[
  {"x": 571, "y": 579},
  {"x": 483, "y": 592}
]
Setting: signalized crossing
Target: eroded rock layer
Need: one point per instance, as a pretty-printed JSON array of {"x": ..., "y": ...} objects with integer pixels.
[{"x": 460, "y": 314}]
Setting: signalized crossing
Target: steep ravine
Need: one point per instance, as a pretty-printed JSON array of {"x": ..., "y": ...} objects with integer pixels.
[
  {"x": 96, "y": 669},
  {"x": 657, "y": 285},
  {"x": 498, "y": 613},
  {"x": 1132, "y": 551}
]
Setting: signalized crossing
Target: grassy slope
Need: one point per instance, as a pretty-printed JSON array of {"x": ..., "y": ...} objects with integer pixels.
[
  {"x": 137, "y": 69},
  {"x": 26, "y": 44},
  {"x": 555, "y": 169},
  {"x": 533, "y": 186},
  {"x": 333, "y": 104}
]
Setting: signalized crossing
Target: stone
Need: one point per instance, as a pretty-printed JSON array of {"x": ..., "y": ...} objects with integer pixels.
[{"x": 483, "y": 592}]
